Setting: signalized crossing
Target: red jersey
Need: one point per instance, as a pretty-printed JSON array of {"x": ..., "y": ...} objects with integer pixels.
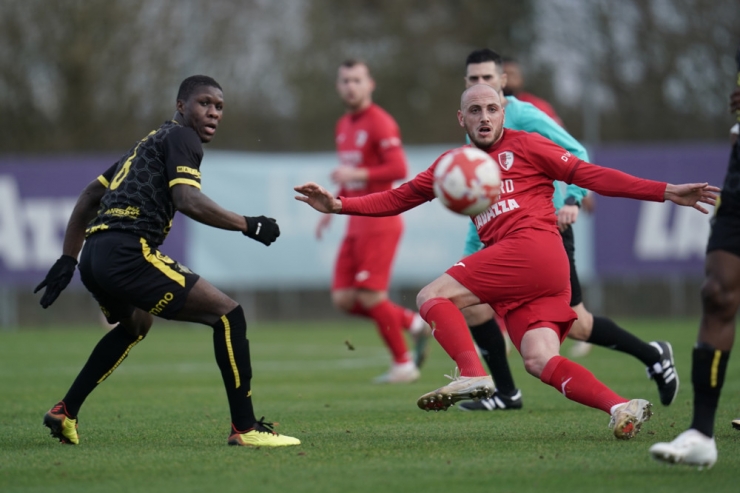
[
  {"x": 528, "y": 163},
  {"x": 370, "y": 139},
  {"x": 540, "y": 104}
]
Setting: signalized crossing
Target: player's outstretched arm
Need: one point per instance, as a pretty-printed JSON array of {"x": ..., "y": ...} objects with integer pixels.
[
  {"x": 692, "y": 195},
  {"x": 318, "y": 197},
  {"x": 379, "y": 204},
  {"x": 198, "y": 206},
  {"x": 63, "y": 270}
]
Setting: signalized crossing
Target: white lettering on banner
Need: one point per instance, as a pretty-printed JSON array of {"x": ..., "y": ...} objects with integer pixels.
[
  {"x": 45, "y": 221},
  {"x": 657, "y": 237},
  {"x": 30, "y": 229},
  {"x": 12, "y": 244}
]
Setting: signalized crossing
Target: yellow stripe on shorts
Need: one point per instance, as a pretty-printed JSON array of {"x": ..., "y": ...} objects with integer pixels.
[
  {"x": 164, "y": 268},
  {"x": 230, "y": 350}
]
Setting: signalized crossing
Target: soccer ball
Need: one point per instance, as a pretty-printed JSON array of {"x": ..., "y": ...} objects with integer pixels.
[{"x": 467, "y": 181}]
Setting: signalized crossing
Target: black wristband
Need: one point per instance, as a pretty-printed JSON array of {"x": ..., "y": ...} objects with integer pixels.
[
  {"x": 572, "y": 201},
  {"x": 68, "y": 259},
  {"x": 251, "y": 227}
]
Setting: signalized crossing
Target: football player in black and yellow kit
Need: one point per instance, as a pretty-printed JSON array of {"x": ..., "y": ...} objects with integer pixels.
[
  {"x": 123, "y": 217},
  {"x": 720, "y": 296}
]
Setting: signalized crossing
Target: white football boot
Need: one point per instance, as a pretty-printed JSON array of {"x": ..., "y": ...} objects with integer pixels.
[
  {"x": 460, "y": 389},
  {"x": 400, "y": 373},
  {"x": 627, "y": 418},
  {"x": 691, "y": 447}
]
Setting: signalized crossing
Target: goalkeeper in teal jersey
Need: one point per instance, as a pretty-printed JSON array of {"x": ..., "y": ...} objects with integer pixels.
[{"x": 486, "y": 67}]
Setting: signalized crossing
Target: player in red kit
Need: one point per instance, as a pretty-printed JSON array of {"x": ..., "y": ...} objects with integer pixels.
[
  {"x": 523, "y": 270},
  {"x": 515, "y": 87},
  {"x": 371, "y": 158}
]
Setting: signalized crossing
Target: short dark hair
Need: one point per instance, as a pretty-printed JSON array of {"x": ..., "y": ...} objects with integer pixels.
[
  {"x": 189, "y": 85},
  {"x": 352, "y": 62},
  {"x": 484, "y": 55}
]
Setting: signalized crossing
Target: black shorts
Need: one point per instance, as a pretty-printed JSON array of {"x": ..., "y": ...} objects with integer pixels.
[
  {"x": 122, "y": 271},
  {"x": 725, "y": 235},
  {"x": 569, "y": 243}
]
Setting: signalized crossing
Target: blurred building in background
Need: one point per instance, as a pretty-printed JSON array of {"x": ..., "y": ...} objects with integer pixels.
[{"x": 643, "y": 83}]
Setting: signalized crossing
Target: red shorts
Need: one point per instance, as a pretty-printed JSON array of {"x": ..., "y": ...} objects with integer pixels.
[
  {"x": 365, "y": 261},
  {"x": 525, "y": 278}
]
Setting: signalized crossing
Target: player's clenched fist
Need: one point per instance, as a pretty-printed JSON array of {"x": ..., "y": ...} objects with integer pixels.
[{"x": 263, "y": 229}]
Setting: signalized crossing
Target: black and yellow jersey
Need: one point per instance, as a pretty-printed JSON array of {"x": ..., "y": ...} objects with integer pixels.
[
  {"x": 138, "y": 198},
  {"x": 729, "y": 203}
]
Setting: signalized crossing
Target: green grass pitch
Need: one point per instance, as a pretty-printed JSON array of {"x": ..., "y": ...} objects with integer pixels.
[{"x": 160, "y": 422}]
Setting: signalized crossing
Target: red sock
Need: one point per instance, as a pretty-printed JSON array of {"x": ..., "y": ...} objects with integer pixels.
[
  {"x": 389, "y": 327},
  {"x": 579, "y": 385},
  {"x": 405, "y": 316},
  {"x": 451, "y": 331}
]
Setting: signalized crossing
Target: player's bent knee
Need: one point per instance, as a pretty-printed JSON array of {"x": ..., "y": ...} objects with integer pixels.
[
  {"x": 717, "y": 300},
  {"x": 343, "y": 304},
  {"x": 138, "y": 324},
  {"x": 369, "y": 299},
  {"x": 534, "y": 365},
  {"x": 344, "y": 299},
  {"x": 427, "y": 293}
]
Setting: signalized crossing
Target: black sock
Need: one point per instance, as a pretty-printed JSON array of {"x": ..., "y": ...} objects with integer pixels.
[
  {"x": 610, "y": 335},
  {"x": 110, "y": 351},
  {"x": 491, "y": 342},
  {"x": 232, "y": 355},
  {"x": 708, "y": 367}
]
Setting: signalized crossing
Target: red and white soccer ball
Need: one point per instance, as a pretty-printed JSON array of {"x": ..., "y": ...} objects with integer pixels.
[{"x": 467, "y": 181}]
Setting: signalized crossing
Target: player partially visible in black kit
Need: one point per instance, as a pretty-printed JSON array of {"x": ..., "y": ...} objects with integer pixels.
[
  {"x": 124, "y": 216},
  {"x": 720, "y": 296}
]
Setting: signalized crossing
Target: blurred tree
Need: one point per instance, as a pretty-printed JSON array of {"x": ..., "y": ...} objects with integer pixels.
[
  {"x": 87, "y": 75},
  {"x": 80, "y": 77},
  {"x": 92, "y": 63},
  {"x": 416, "y": 51},
  {"x": 657, "y": 69}
]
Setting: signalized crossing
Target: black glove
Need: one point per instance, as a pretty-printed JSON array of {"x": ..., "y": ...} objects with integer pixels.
[
  {"x": 263, "y": 229},
  {"x": 57, "y": 279}
]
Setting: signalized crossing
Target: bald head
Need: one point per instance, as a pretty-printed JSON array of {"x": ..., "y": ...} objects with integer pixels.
[
  {"x": 476, "y": 91},
  {"x": 482, "y": 115}
]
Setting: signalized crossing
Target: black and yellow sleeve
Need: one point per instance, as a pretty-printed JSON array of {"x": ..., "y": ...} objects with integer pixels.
[{"x": 183, "y": 154}]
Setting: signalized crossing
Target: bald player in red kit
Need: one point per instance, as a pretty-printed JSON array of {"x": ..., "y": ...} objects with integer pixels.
[
  {"x": 371, "y": 158},
  {"x": 523, "y": 270}
]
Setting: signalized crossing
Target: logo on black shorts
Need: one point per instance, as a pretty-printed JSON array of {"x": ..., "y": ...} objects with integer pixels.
[{"x": 162, "y": 304}]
